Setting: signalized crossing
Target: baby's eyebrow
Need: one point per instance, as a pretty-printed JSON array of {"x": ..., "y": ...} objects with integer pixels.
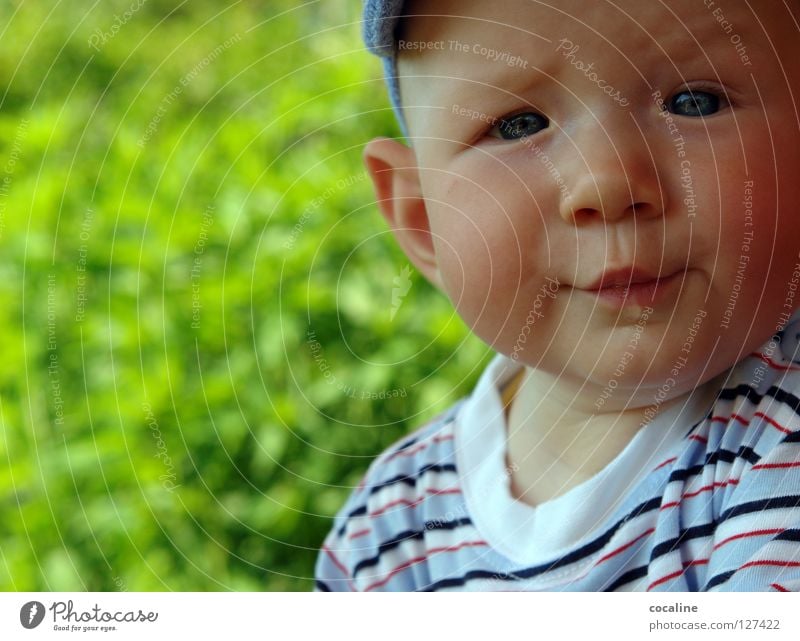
[
  {"x": 511, "y": 82},
  {"x": 543, "y": 65},
  {"x": 680, "y": 41}
]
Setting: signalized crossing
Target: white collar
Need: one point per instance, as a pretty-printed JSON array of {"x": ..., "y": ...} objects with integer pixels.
[{"x": 533, "y": 535}]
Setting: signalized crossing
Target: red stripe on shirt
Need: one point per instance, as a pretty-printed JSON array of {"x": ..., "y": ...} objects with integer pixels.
[
  {"x": 772, "y": 466},
  {"x": 667, "y": 462},
  {"x": 690, "y": 564},
  {"x": 609, "y": 556},
  {"x": 744, "y": 535},
  {"x": 413, "y": 503},
  {"x": 664, "y": 579},
  {"x": 419, "y": 559},
  {"x": 674, "y": 575},
  {"x": 358, "y": 534},
  {"x": 623, "y": 548},
  {"x": 779, "y": 587},
  {"x": 735, "y": 417},
  {"x": 774, "y": 365},
  {"x": 772, "y": 422},
  {"x": 419, "y": 447},
  {"x": 340, "y": 567},
  {"x": 771, "y": 562},
  {"x": 705, "y": 488},
  {"x": 746, "y": 422}
]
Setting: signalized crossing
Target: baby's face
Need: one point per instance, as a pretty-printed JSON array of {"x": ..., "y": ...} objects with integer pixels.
[{"x": 563, "y": 148}]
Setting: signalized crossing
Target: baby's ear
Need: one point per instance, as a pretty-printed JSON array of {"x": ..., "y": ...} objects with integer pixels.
[{"x": 393, "y": 169}]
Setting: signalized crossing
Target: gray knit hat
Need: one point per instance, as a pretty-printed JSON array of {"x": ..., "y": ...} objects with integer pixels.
[{"x": 380, "y": 20}]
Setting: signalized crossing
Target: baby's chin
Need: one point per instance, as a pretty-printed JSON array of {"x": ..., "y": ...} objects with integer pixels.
[{"x": 619, "y": 379}]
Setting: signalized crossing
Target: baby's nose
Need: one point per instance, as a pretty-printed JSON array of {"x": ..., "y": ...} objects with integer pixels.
[{"x": 611, "y": 179}]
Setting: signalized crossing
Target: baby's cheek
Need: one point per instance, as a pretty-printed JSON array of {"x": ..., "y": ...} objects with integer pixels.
[
  {"x": 491, "y": 252},
  {"x": 486, "y": 284},
  {"x": 477, "y": 281}
]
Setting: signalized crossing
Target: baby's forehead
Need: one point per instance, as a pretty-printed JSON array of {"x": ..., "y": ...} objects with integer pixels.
[
  {"x": 627, "y": 25},
  {"x": 427, "y": 45},
  {"x": 554, "y": 15},
  {"x": 490, "y": 42}
]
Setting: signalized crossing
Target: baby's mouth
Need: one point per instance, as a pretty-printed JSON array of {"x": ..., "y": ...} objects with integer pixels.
[
  {"x": 623, "y": 279},
  {"x": 634, "y": 286}
]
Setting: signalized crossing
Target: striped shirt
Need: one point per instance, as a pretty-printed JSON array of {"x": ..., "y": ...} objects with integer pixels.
[{"x": 705, "y": 497}]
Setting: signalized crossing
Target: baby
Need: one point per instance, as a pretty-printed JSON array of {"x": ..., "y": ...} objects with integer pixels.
[{"x": 607, "y": 193}]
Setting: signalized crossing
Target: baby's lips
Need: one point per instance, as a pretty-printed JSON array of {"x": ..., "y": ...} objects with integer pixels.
[{"x": 625, "y": 277}]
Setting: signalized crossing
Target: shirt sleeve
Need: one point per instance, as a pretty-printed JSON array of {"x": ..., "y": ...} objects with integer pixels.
[
  {"x": 758, "y": 548},
  {"x": 334, "y": 570}
]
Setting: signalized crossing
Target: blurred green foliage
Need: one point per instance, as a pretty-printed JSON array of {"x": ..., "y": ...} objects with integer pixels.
[{"x": 182, "y": 200}]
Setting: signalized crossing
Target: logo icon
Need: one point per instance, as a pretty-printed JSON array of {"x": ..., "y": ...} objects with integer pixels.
[
  {"x": 402, "y": 284},
  {"x": 31, "y": 614}
]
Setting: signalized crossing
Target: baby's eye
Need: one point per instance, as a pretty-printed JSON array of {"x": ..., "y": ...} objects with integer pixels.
[
  {"x": 694, "y": 103},
  {"x": 519, "y": 126}
]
